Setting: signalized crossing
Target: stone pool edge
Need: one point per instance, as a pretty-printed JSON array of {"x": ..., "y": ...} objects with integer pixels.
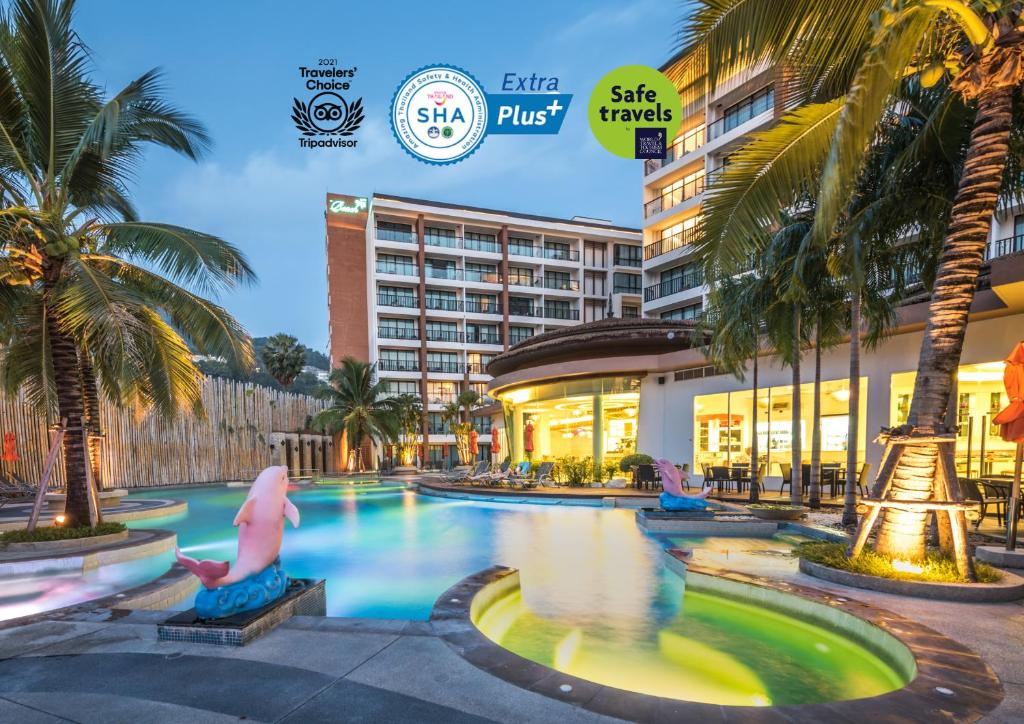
[{"x": 941, "y": 663}]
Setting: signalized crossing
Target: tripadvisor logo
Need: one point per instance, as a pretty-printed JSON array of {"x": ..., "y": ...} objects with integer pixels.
[
  {"x": 634, "y": 111},
  {"x": 327, "y": 119}
]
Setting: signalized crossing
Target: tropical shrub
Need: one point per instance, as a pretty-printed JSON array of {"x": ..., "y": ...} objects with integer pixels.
[{"x": 627, "y": 463}]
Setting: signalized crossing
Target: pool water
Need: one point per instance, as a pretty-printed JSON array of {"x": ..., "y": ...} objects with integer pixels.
[{"x": 595, "y": 600}]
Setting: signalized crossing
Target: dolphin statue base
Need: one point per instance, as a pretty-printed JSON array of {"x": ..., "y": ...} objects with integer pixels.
[
  {"x": 256, "y": 591},
  {"x": 667, "y": 501}
]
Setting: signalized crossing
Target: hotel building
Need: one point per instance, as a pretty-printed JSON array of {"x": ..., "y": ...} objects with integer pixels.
[{"x": 431, "y": 291}]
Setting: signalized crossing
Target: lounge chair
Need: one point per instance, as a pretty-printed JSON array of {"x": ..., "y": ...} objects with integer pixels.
[
  {"x": 498, "y": 476},
  {"x": 480, "y": 473},
  {"x": 516, "y": 475},
  {"x": 542, "y": 475}
]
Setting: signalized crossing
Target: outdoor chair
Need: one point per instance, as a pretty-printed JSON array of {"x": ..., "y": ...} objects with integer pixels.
[
  {"x": 479, "y": 473},
  {"x": 644, "y": 476},
  {"x": 993, "y": 493},
  {"x": 787, "y": 477},
  {"x": 971, "y": 491},
  {"x": 542, "y": 475},
  {"x": 722, "y": 477},
  {"x": 496, "y": 477}
]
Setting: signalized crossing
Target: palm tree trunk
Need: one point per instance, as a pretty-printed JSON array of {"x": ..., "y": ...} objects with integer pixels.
[
  {"x": 755, "y": 492},
  {"x": 796, "y": 488},
  {"x": 902, "y": 533},
  {"x": 91, "y": 404},
  {"x": 853, "y": 430},
  {"x": 815, "y": 492},
  {"x": 68, "y": 380}
]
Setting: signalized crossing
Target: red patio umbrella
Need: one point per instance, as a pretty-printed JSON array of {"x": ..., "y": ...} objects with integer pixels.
[
  {"x": 1011, "y": 429},
  {"x": 474, "y": 448}
]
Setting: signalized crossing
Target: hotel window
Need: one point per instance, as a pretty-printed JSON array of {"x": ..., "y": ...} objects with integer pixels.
[
  {"x": 396, "y": 296},
  {"x": 441, "y": 393},
  {"x": 683, "y": 189},
  {"x": 523, "y": 276},
  {"x": 558, "y": 280},
  {"x": 478, "y": 361},
  {"x": 402, "y": 387},
  {"x": 593, "y": 310},
  {"x": 519, "y": 334},
  {"x": 482, "y": 333},
  {"x": 557, "y": 250},
  {"x": 443, "y": 332},
  {"x": 748, "y": 108},
  {"x": 394, "y": 264},
  {"x": 483, "y": 303},
  {"x": 676, "y": 279},
  {"x": 398, "y": 360},
  {"x": 594, "y": 283},
  {"x": 443, "y": 299},
  {"x": 689, "y": 312},
  {"x": 436, "y": 424},
  {"x": 625, "y": 283},
  {"x": 391, "y": 231},
  {"x": 436, "y": 236},
  {"x": 627, "y": 255},
  {"x": 447, "y": 362},
  {"x": 630, "y": 311},
  {"x": 441, "y": 269},
  {"x": 1018, "y": 225},
  {"x": 521, "y": 246},
  {"x": 481, "y": 272},
  {"x": 522, "y": 306},
  {"x": 595, "y": 254},
  {"x": 480, "y": 388},
  {"x": 398, "y": 329},
  {"x": 482, "y": 424},
  {"x": 475, "y": 241},
  {"x": 557, "y": 309},
  {"x": 684, "y": 231}
]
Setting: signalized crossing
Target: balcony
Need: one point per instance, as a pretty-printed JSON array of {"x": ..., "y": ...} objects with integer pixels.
[
  {"x": 1005, "y": 247},
  {"x": 634, "y": 261},
  {"x": 567, "y": 285},
  {"x": 441, "y": 398},
  {"x": 561, "y": 254},
  {"x": 405, "y": 301},
  {"x": 486, "y": 277},
  {"x": 760, "y": 102},
  {"x": 385, "y": 332},
  {"x": 634, "y": 289},
  {"x": 558, "y": 313},
  {"x": 444, "y": 335},
  {"x": 444, "y": 240},
  {"x": 449, "y": 368},
  {"x": 483, "y": 337},
  {"x": 398, "y": 365},
  {"x": 443, "y": 304},
  {"x": 687, "y": 143},
  {"x": 405, "y": 270},
  {"x": 476, "y": 368},
  {"x": 478, "y": 307},
  {"x": 523, "y": 249},
  {"x": 442, "y": 272},
  {"x": 690, "y": 279},
  {"x": 486, "y": 245},
  {"x": 679, "y": 239},
  {"x": 407, "y": 237},
  {"x": 522, "y": 280},
  {"x": 515, "y": 339},
  {"x": 677, "y": 195},
  {"x": 523, "y": 310}
]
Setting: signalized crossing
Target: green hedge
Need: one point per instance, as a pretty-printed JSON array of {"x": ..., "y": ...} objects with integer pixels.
[
  {"x": 52, "y": 532},
  {"x": 626, "y": 464}
]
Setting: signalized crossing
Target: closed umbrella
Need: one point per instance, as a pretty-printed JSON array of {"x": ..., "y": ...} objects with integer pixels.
[{"x": 1011, "y": 429}]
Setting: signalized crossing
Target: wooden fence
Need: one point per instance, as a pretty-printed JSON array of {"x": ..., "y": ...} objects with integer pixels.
[{"x": 141, "y": 449}]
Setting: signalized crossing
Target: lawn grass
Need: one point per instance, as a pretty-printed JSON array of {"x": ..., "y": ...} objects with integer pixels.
[
  {"x": 936, "y": 568},
  {"x": 53, "y": 532}
]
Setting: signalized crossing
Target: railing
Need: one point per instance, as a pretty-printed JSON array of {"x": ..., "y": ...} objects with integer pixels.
[
  {"x": 627, "y": 289},
  {"x": 760, "y": 102},
  {"x": 444, "y": 335},
  {"x": 472, "y": 275},
  {"x": 407, "y": 237},
  {"x": 523, "y": 310},
  {"x": 438, "y": 430},
  {"x": 558, "y": 313},
  {"x": 450, "y": 242},
  {"x": 398, "y": 300},
  {"x": 1005, "y": 247},
  {"x": 523, "y": 250},
  {"x": 443, "y": 304},
  {"x": 678, "y": 195},
  {"x": 628, "y": 261},
  {"x": 390, "y": 267},
  {"x": 687, "y": 143},
  {"x": 517, "y": 338},
  {"x": 441, "y": 272},
  {"x": 478, "y": 307},
  {"x": 569, "y": 285},
  {"x": 677, "y": 240},
  {"x": 522, "y": 280},
  {"x": 482, "y": 245},
  {"x": 398, "y": 365},
  {"x": 690, "y": 279},
  {"x": 476, "y": 368},
  {"x": 441, "y": 398},
  {"x": 483, "y": 337},
  {"x": 453, "y": 368},
  {"x": 561, "y": 254},
  {"x": 398, "y": 333}
]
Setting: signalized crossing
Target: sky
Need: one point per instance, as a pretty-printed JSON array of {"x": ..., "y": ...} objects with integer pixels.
[{"x": 234, "y": 65}]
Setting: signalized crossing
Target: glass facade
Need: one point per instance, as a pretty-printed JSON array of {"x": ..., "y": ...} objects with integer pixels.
[{"x": 580, "y": 418}]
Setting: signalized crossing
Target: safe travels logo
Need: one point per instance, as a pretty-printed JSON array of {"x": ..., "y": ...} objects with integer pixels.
[
  {"x": 327, "y": 119},
  {"x": 441, "y": 114},
  {"x": 634, "y": 111}
]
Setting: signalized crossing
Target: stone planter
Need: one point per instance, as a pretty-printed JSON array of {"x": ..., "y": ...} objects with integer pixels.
[
  {"x": 70, "y": 544},
  {"x": 108, "y": 499},
  {"x": 778, "y": 513}
]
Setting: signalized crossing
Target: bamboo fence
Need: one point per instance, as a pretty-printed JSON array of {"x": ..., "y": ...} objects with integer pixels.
[{"x": 140, "y": 449}]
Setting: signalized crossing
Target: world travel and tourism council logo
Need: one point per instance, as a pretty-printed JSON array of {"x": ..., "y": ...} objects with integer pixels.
[
  {"x": 439, "y": 114},
  {"x": 634, "y": 112},
  {"x": 327, "y": 119}
]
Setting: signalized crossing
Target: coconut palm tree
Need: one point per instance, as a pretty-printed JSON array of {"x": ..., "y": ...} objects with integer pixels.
[
  {"x": 284, "y": 358},
  {"x": 850, "y": 60},
  {"x": 408, "y": 412},
  {"x": 359, "y": 407},
  {"x": 455, "y": 414},
  {"x": 89, "y": 295}
]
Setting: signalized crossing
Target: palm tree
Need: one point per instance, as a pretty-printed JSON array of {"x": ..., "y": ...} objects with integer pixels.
[
  {"x": 455, "y": 414},
  {"x": 284, "y": 358},
  {"x": 360, "y": 407},
  {"x": 89, "y": 295},
  {"x": 408, "y": 412},
  {"x": 852, "y": 59}
]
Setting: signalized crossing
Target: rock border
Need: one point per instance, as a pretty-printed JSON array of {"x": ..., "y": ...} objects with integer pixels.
[
  {"x": 65, "y": 544},
  {"x": 942, "y": 664},
  {"x": 1010, "y": 588}
]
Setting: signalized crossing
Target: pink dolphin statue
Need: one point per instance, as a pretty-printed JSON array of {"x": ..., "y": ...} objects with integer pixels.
[
  {"x": 260, "y": 523},
  {"x": 672, "y": 481}
]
